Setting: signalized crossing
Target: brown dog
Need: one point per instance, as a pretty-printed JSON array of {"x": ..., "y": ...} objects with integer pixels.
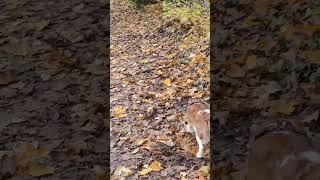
[
  {"x": 283, "y": 156},
  {"x": 198, "y": 119}
]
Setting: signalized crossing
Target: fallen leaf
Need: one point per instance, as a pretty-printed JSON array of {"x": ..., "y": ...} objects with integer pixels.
[
  {"x": 141, "y": 141},
  {"x": 236, "y": 71},
  {"x": 135, "y": 151},
  {"x": 283, "y": 107},
  {"x": 205, "y": 169},
  {"x": 313, "y": 56},
  {"x": 251, "y": 62},
  {"x": 154, "y": 166},
  {"x": 145, "y": 61},
  {"x": 29, "y": 152},
  {"x": 119, "y": 112},
  {"x": 5, "y": 78},
  {"x": 166, "y": 140},
  {"x": 167, "y": 82},
  {"x": 20, "y": 47},
  {"x": 140, "y": 117},
  {"x": 183, "y": 176},
  {"x": 222, "y": 117},
  {"x": 41, "y": 24},
  {"x": 200, "y": 176},
  {"x": 312, "y": 116},
  {"x": 122, "y": 171},
  {"x": 183, "y": 46},
  {"x": 39, "y": 170},
  {"x": 99, "y": 171}
]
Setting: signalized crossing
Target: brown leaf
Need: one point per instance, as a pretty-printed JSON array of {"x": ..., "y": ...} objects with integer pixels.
[
  {"x": 222, "y": 117},
  {"x": 251, "y": 62},
  {"x": 154, "y": 166},
  {"x": 311, "y": 116},
  {"x": 283, "y": 107},
  {"x": 235, "y": 71},
  {"x": 141, "y": 141},
  {"x": 313, "y": 56},
  {"x": 39, "y": 170},
  {"x": 29, "y": 152},
  {"x": 122, "y": 171},
  {"x": 41, "y": 24},
  {"x": 5, "y": 78}
]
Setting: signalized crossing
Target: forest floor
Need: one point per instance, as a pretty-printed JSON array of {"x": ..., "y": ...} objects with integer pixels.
[
  {"x": 153, "y": 79},
  {"x": 150, "y": 88},
  {"x": 52, "y": 89}
]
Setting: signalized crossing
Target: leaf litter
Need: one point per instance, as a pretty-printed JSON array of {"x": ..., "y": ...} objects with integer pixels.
[
  {"x": 152, "y": 82},
  {"x": 48, "y": 71},
  {"x": 266, "y": 74}
]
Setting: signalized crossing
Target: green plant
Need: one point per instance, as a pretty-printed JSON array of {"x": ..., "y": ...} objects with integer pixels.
[{"x": 197, "y": 12}]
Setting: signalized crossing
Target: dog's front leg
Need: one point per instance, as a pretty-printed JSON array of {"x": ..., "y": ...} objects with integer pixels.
[
  {"x": 189, "y": 129},
  {"x": 200, "y": 145}
]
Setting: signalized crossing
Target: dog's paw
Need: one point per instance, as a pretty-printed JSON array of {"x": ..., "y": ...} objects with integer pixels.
[{"x": 199, "y": 155}]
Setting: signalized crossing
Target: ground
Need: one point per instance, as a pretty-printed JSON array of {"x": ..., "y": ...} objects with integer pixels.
[
  {"x": 149, "y": 89},
  {"x": 52, "y": 89},
  {"x": 265, "y": 75}
]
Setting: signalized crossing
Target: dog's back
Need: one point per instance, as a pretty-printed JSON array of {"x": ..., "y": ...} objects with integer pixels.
[{"x": 198, "y": 116}]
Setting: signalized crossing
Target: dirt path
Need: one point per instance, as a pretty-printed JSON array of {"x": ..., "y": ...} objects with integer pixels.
[{"x": 146, "y": 114}]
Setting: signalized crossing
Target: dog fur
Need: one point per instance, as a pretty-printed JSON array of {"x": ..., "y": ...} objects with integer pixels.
[{"x": 198, "y": 119}]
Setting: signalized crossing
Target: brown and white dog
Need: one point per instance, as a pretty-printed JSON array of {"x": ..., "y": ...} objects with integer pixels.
[
  {"x": 283, "y": 156},
  {"x": 198, "y": 119}
]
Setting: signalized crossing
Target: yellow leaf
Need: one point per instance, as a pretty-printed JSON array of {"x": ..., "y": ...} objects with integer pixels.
[
  {"x": 283, "y": 107},
  {"x": 252, "y": 21},
  {"x": 30, "y": 152},
  {"x": 149, "y": 49},
  {"x": 122, "y": 171},
  {"x": 203, "y": 173},
  {"x": 121, "y": 116},
  {"x": 205, "y": 169},
  {"x": 193, "y": 150},
  {"x": 169, "y": 56},
  {"x": 119, "y": 112},
  {"x": 141, "y": 141},
  {"x": 203, "y": 70},
  {"x": 167, "y": 82},
  {"x": 144, "y": 171},
  {"x": 313, "y": 56},
  {"x": 183, "y": 176},
  {"x": 140, "y": 116},
  {"x": 154, "y": 166},
  {"x": 39, "y": 170},
  {"x": 308, "y": 28},
  {"x": 183, "y": 46}
]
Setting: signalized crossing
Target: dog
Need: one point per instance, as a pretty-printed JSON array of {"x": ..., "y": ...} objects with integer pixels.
[
  {"x": 198, "y": 122},
  {"x": 281, "y": 156}
]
